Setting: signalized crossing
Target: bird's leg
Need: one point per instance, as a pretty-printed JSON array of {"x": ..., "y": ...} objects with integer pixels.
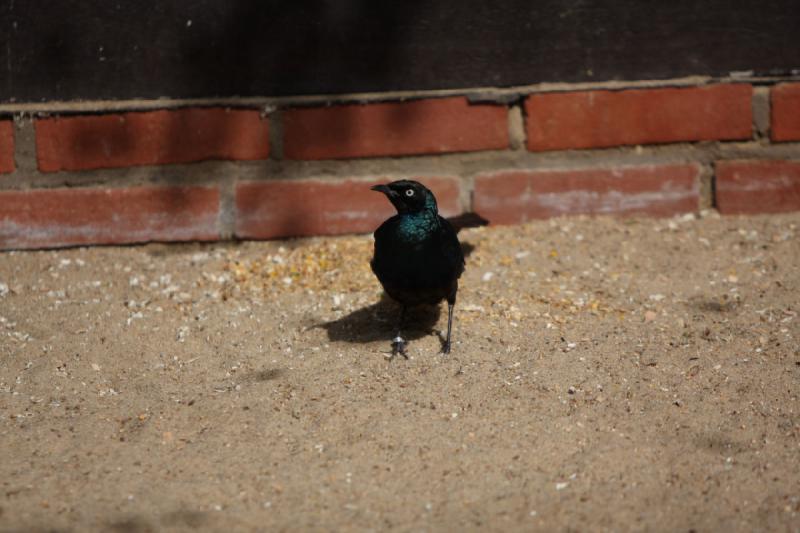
[
  {"x": 398, "y": 343},
  {"x": 446, "y": 347}
]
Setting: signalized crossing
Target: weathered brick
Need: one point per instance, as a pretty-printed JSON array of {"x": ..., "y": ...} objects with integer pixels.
[
  {"x": 392, "y": 129},
  {"x": 745, "y": 187},
  {"x": 597, "y": 119},
  {"x": 6, "y": 146},
  {"x": 515, "y": 196},
  {"x": 785, "y": 115},
  {"x": 290, "y": 208},
  {"x": 65, "y": 217},
  {"x": 150, "y": 138}
]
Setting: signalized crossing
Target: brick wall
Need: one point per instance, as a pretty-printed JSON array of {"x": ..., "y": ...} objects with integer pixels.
[{"x": 100, "y": 174}]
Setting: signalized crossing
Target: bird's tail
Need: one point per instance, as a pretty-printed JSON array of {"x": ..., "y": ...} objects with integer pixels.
[{"x": 467, "y": 220}]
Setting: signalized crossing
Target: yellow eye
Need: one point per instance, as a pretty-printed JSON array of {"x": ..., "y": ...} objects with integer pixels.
[{"x": 409, "y": 192}]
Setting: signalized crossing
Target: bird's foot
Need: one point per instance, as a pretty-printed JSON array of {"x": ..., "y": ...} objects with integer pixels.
[
  {"x": 399, "y": 347},
  {"x": 445, "y": 343}
]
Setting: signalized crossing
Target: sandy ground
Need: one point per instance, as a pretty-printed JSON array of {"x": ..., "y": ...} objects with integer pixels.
[{"x": 606, "y": 375}]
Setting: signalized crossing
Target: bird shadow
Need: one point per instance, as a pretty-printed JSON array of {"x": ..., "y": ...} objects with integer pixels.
[{"x": 380, "y": 321}]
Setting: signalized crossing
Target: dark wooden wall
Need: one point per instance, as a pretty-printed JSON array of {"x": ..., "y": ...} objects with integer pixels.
[{"x": 103, "y": 49}]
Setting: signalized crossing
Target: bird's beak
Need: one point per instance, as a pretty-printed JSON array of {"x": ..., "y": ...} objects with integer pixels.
[{"x": 385, "y": 190}]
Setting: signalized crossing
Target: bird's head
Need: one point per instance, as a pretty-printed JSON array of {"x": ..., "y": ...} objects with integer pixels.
[{"x": 408, "y": 196}]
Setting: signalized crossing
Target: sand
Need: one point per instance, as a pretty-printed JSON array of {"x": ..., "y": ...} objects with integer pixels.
[{"x": 606, "y": 375}]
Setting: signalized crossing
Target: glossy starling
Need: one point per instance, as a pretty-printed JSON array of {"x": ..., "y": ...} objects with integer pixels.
[{"x": 418, "y": 258}]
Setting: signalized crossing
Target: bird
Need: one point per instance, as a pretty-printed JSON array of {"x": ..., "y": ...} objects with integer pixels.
[{"x": 417, "y": 257}]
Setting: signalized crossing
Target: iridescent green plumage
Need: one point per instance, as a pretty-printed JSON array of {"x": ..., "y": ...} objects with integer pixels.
[{"x": 414, "y": 227}]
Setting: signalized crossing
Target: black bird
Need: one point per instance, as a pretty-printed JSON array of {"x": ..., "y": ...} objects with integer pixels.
[{"x": 418, "y": 258}]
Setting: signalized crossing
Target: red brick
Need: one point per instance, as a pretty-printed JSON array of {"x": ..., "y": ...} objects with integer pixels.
[
  {"x": 515, "y": 196},
  {"x": 597, "y": 119},
  {"x": 397, "y": 128},
  {"x": 785, "y": 119},
  {"x": 289, "y": 208},
  {"x": 748, "y": 187},
  {"x": 6, "y": 146},
  {"x": 150, "y": 138},
  {"x": 65, "y": 217}
]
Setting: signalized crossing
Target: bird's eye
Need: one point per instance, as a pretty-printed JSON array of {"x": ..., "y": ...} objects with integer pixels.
[{"x": 409, "y": 192}]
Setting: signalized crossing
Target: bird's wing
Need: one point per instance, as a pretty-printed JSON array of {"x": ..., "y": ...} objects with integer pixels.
[
  {"x": 385, "y": 229},
  {"x": 384, "y": 237},
  {"x": 450, "y": 244}
]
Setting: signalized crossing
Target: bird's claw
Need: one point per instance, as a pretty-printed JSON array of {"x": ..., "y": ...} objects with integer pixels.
[
  {"x": 399, "y": 347},
  {"x": 445, "y": 348}
]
